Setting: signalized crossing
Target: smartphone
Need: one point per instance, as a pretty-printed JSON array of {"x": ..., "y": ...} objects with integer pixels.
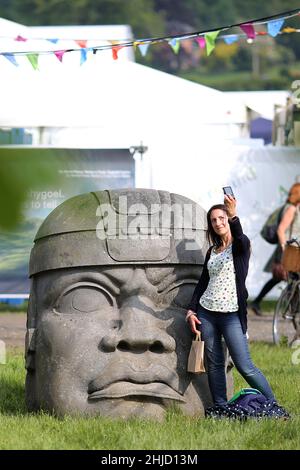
[{"x": 227, "y": 190}]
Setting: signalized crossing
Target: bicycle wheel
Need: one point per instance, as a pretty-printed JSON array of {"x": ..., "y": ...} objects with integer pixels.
[{"x": 284, "y": 322}]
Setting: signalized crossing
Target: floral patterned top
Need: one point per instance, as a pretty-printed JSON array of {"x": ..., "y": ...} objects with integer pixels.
[{"x": 220, "y": 294}]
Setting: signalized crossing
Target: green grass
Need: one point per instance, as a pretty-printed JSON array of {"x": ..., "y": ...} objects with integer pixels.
[
  {"x": 268, "y": 306},
  {"x": 21, "y": 430},
  {"x": 7, "y": 308}
]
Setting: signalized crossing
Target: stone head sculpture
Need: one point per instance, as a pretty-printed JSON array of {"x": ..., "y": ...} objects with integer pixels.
[{"x": 112, "y": 273}]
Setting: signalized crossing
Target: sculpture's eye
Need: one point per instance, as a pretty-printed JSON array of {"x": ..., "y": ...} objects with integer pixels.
[
  {"x": 84, "y": 299},
  {"x": 179, "y": 295}
]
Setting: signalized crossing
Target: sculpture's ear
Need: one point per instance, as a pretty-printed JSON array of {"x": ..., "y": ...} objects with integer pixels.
[
  {"x": 30, "y": 349},
  {"x": 31, "y": 324},
  {"x": 30, "y": 387}
]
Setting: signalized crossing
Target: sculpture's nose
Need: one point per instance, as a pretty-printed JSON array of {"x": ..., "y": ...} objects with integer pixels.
[{"x": 140, "y": 331}]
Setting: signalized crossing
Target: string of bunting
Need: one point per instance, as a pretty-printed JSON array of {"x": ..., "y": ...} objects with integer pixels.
[{"x": 206, "y": 39}]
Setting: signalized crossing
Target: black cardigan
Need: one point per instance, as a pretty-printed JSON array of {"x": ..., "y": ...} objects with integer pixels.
[{"x": 241, "y": 255}]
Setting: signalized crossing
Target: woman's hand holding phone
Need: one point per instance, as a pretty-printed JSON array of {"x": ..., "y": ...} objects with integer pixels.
[{"x": 230, "y": 203}]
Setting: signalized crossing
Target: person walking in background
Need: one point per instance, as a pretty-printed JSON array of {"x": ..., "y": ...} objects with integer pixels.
[
  {"x": 289, "y": 227},
  {"x": 219, "y": 305}
]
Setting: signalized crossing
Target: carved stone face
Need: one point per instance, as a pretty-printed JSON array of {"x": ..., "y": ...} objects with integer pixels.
[
  {"x": 113, "y": 341},
  {"x": 112, "y": 274}
]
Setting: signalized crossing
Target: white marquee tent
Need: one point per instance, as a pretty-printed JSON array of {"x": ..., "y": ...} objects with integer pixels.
[{"x": 189, "y": 130}]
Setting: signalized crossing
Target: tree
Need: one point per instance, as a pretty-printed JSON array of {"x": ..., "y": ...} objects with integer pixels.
[{"x": 140, "y": 14}]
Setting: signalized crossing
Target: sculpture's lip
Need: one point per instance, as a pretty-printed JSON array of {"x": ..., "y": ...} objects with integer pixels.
[{"x": 122, "y": 389}]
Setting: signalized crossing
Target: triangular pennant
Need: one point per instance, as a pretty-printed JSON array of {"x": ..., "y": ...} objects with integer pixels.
[
  {"x": 210, "y": 39},
  {"x": 115, "y": 50},
  {"x": 83, "y": 56},
  {"x": 81, "y": 42},
  {"x": 187, "y": 45},
  {"x": 248, "y": 29},
  {"x": 20, "y": 38},
  {"x": 33, "y": 59},
  {"x": 143, "y": 48},
  {"x": 231, "y": 38},
  {"x": 11, "y": 59},
  {"x": 201, "y": 42},
  {"x": 54, "y": 41},
  {"x": 175, "y": 44},
  {"x": 288, "y": 29},
  {"x": 59, "y": 55},
  {"x": 275, "y": 26}
]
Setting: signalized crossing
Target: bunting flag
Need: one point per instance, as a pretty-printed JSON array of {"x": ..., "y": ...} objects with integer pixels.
[
  {"x": 205, "y": 39},
  {"x": 201, "y": 42},
  {"x": 210, "y": 39},
  {"x": 274, "y": 27},
  {"x": 59, "y": 55},
  {"x": 20, "y": 38},
  {"x": 143, "y": 48},
  {"x": 175, "y": 44},
  {"x": 33, "y": 59},
  {"x": 11, "y": 59},
  {"x": 115, "y": 50},
  {"x": 81, "y": 42},
  {"x": 289, "y": 30},
  {"x": 248, "y": 28},
  {"x": 230, "y": 38},
  {"x": 187, "y": 45},
  {"x": 83, "y": 56}
]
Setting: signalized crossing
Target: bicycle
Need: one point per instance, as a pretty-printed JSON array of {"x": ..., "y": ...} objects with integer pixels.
[{"x": 286, "y": 319}]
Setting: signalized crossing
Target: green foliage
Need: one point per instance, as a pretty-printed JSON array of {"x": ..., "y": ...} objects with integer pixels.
[
  {"x": 140, "y": 14},
  {"x": 147, "y": 17},
  {"x": 20, "y": 430},
  {"x": 276, "y": 78},
  {"x": 21, "y": 171}
]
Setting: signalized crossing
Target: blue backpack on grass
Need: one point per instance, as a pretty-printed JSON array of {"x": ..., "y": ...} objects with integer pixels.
[{"x": 248, "y": 403}]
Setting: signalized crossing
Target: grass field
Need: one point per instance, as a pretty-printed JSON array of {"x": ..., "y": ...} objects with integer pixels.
[{"x": 20, "y": 430}]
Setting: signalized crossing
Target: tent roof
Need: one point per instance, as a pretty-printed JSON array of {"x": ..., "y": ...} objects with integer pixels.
[
  {"x": 97, "y": 94},
  {"x": 10, "y": 27},
  {"x": 262, "y": 102},
  {"x": 103, "y": 92}
]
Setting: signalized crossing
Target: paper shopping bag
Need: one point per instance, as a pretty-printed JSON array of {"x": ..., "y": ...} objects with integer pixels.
[{"x": 196, "y": 356}]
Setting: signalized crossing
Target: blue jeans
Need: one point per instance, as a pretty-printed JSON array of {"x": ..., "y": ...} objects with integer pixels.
[{"x": 213, "y": 326}]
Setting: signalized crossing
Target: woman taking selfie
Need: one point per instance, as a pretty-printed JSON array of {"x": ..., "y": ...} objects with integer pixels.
[{"x": 219, "y": 306}]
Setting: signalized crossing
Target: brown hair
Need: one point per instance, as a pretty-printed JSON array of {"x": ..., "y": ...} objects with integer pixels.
[
  {"x": 211, "y": 235},
  {"x": 294, "y": 194}
]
